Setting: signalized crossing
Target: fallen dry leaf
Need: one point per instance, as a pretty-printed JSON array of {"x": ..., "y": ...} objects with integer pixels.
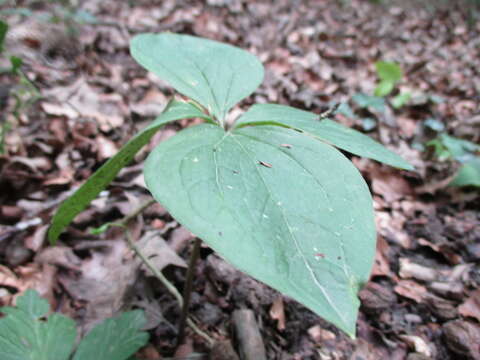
[
  {"x": 471, "y": 306},
  {"x": 418, "y": 344},
  {"x": 409, "y": 269},
  {"x": 102, "y": 282},
  {"x": 160, "y": 254},
  {"x": 411, "y": 290},
  {"x": 277, "y": 313}
]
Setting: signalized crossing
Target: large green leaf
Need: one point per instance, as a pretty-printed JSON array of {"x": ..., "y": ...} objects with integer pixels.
[
  {"x": 327, "y": 130},
  {"x": 114, "y": 339},
  {"x": 23, "y": 336},
  {"x": 281, "y": 206},
  {"x": 67, "y": 211},
  {"x": 214, "y": 74}
]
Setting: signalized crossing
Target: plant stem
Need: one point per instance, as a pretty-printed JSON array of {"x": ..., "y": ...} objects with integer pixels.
[
  {"x": 136, "y": 212},
  {"x": 158, "y": 274},
  {"x": 187, "y": 290}
]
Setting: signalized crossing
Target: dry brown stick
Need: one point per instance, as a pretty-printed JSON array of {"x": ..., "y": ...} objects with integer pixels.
[
  {"x": 187, "y": 289},
  {"x": 248, "y": 334}
]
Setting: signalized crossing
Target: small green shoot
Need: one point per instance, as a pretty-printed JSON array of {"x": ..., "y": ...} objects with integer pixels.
[
  {"x": 390, "y": 74},
  {"x": 465, "y": 152}
]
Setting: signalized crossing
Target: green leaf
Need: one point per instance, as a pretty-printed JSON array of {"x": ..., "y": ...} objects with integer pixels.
[
  {"x": 384, "y": 88},
  {"x": 346, "y": 110},
  {"x": 368, "y": 124},
  {"x": 468, "y": 174},
  {"x": 214, "y": 74},
  {"x": 401, "y": 99},
  {"x": 3, "y": 33},
  {"x": 176, "y": 110},
  {"x": 326, "y": 130},
  {"x": 281, "y": 206},
  {"x": 16, "y": 63},
  {"x": 434, "y": 124},
  {"x": 459, "y": 149},
  {"x": 33, "y": 304},
  {"x": 388, "y": 71},
  {"x": 23, "y": 336},
  {"x": 366, "y": 101},
  {"x": 114, "y": 339}
]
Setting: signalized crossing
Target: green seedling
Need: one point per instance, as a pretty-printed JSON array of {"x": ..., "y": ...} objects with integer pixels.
[
  {"x": 389, "y": 74},
  {"x": 271, "y": 193},
  {"x": 28, "y": 332},
  {"x": 465, "y": 152},
  {"x": 401, "y": 99}
]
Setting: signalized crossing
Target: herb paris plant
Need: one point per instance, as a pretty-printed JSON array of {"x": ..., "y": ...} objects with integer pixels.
[{"x": 272, "y": 195}]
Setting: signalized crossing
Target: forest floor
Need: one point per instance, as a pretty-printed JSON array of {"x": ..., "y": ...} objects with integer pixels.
[{"x": 423, "y": 298}]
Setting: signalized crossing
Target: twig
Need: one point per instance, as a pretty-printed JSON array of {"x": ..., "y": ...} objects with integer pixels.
[
  {"x": 158, "y": 274},
  {"x": 329, "y": 112},
  {"x": 187, "y": 289}
]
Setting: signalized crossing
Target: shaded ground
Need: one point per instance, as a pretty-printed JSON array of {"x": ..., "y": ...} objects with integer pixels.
[{"x": 423, "y": 298}]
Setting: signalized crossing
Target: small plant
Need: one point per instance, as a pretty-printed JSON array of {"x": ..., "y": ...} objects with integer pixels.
[
  {"x": 24, "y": 91},
  {"x": 27, "y": 332},
  {"x": 270, "y": 193},
  {"x": 390, "y": 74},
  {"x": 464, "y": 152}
]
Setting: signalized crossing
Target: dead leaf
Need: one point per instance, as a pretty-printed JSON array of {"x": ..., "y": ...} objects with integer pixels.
[
  {"x": 409, "y": 269},
  {"x": 381, "y": 265},
  {"x": 32, "y": 276},
  {"x": 277, "y": 313},
  {"x": 82, "y": 100},
  {"x": 471, "y": 307},
  {"x": 411, "y": 290},
  {"x": 320, "y": 335},
  {"x": 179, "y": 238},
  {"x": 152, "y": 104},
  {"x": 389, "y": 184},
  {"x": 106, "y": 148},
  {"x": 102, "y": 282},
  {"x": 156, "y": 249},
  {"x": 418, "y": 344}
]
